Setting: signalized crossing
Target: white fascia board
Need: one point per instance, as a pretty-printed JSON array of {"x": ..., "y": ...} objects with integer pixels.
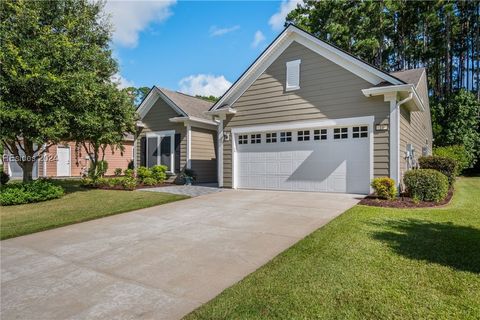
[
  {"x": 150, "y": 100},
  {"x": 223, "y": 111},
  {"x": 368, "y": 120},
  {"x": 409, "y": 88},
  {"x": 324, "y": 49},
  {"x": 194, "y": 121}
]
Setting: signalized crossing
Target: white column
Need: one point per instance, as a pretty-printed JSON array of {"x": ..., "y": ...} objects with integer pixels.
[
  {"x": 189, "y": 146},
  {"x": 220, "y": 151},
  {"x": 394, "y": 132}
]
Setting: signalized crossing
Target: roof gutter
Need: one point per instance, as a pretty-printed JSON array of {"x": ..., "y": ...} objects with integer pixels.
[{"x": 405, "y": 88}]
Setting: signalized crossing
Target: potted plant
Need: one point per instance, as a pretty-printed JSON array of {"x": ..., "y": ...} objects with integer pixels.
[{"x": 189, "y": 176}]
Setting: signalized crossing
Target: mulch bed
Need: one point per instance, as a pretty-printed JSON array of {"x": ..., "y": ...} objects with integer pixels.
[{"x": 404, "y": 202}]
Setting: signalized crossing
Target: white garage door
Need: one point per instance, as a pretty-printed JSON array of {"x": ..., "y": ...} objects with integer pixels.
[{"x": 335, "y": 159}]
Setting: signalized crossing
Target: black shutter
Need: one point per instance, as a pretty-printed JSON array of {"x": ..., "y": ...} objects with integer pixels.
[
  {"x": 178, "y": 140},
  {"x": 143, "y": 151}
]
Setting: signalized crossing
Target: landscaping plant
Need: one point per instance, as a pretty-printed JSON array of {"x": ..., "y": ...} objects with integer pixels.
[
  {"x": 117, "y": 172},
  {"x": 426, "y": 184},
  {"x": 159, "y": 173},
  {"x": 35, "y": 191},
  {"x": 457, "y": 153},
  {"x": 447, "y": 166},
  {"x": 384, "y": 187}
]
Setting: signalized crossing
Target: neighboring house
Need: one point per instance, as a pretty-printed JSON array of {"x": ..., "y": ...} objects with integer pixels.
[
  {"x": 307, "y": 116},
  {"x": 66, "y": 160},
  {"x": 175, "y": 131}
]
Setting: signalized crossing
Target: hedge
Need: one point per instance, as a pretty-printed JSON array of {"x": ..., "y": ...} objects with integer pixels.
[
  {"x": 426, "y": 184},
  {"x": 35, "y": 191},
  {"x": 445, "y": 165}
]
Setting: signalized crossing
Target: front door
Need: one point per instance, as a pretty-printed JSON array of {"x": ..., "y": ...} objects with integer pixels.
[
  {"x": 160, "y": 149},
  {"x": 63, "y": 161}
]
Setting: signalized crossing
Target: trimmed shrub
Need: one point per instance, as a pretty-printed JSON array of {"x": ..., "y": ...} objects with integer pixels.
[
  {"x": 4, "y": 177},
  {"x": 426, "y": 184},
  {"x": 143, "y": 172},
  {"x": 159, "y": 173},
  {"x": 150, "y": 181},
  {"x": 446, "y": 166},
  {"x": 129, "y": 173},
  {"x": 457, "y": 153},
  {"x": 129, "y": 183},
  {"x": 384, "y": 188},
  {"x": 35, "y": 191},
  {"x": 117, "y": 172}
]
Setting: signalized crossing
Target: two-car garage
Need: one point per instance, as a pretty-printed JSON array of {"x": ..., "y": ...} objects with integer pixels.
[{"x": 325, "y": 156}]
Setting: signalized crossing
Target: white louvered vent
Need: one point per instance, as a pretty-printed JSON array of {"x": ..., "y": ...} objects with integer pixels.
[{"x": 293, "y": 75}]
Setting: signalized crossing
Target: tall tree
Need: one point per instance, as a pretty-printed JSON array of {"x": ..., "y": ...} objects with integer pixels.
[{"x": 55, "y": 56}]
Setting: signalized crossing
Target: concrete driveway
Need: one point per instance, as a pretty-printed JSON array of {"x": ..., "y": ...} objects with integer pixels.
[{"x": 156, "y": 263}]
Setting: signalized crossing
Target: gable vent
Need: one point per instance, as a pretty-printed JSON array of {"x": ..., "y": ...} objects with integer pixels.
[{"x": 293, "y": 75}]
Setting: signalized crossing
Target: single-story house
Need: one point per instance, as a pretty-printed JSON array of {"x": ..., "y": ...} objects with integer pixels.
[
  {"x": 175, "y": 131},
  {"x": 66, "y": 160},
  {"x": 308, "y": 116}
]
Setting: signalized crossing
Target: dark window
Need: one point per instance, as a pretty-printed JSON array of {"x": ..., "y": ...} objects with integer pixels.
[
  {"x": 243, "y": 139},
  {"x": 340, "y": 133},
  {"x": 303, "y": 135},
  {"x": 360, "y": 132},
  {"x": 271, "y": 137},
  {"x": 285, "y": 136},
  {"x": 255, "y": 138},
  {"x": 320, "y": 134}
]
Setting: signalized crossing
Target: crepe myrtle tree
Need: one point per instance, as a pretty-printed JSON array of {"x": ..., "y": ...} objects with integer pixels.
[{"x": 52, "y": 52}]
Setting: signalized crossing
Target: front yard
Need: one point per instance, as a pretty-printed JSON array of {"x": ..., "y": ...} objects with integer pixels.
[
  {"x": 371, "y": 263},
  {"x": 78, "y": 205}
]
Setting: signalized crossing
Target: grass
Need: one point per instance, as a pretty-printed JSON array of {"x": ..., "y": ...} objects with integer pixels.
[
  {"x": 78, "y": 205},
  {"x": 371, "y": 263}
]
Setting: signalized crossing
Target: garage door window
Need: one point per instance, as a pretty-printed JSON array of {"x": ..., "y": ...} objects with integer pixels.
[
  {"x": 243, "y": 139},
  {"x": 340, "y": 133},
  {"x": 285, "y": 136},
  {"x": 320, "y": 134},
  {"x": 271, "y": 137},
  {"x": 303, "y": 135},
  {"x": 360, "y": 132},
  {"x": 255, "y": 138}
]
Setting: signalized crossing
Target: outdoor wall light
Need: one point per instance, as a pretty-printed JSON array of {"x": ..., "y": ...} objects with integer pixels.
[
  {"x": 226, "y": 136},
  {"x": 381, "y": 127}
]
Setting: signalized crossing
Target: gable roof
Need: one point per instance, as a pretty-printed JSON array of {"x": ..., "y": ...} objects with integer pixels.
[
  {"x": 183, "y": 104},
  {"x": 412, "y": 76},
  {"x": 292, "y": 33}
]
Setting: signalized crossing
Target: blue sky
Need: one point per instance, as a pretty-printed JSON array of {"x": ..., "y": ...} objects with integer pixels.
[{"x": 192, "y": 46}]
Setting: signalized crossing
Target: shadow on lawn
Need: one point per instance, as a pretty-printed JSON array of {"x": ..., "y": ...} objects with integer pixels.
[{"x": 442, "y": 243}]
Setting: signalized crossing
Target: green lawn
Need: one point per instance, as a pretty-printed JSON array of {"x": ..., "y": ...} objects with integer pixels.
[
  {"x": 77, "y": 205},
  {"x": 371, "y": 263}
]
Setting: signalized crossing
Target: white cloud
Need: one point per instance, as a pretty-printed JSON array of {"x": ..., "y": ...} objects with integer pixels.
[
  {"x": 277, "y": 21},
  {"x": 258, "y": 38},
  {"x": 205, "y": 85},
  {"x": 121, "y": 81},
  {"x": 129, "y": 18},
  {"x": 215, "y": 31}
]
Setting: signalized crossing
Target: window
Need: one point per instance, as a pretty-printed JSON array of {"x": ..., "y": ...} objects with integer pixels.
[
  {"x": 360, "y": 132},
  {"x": 255, "y": 138},
  {"x": 303, "y": 135},
  {"x": 243, "y": 139},
  {"x": 160, "y": 149},
  {"x": 340, "y": 133},
  {"x": 271, "y": 137},
  {"x": 293, "y": 75},
  {"x": 320, "y": 134},
  {"x": 285, "y": 136}
]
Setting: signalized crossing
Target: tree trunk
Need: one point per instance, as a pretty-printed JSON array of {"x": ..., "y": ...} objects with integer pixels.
[{"x": 27, "y": 167}]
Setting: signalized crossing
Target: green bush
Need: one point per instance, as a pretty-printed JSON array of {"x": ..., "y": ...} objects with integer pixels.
[
  {"x": 143, "y": 172},
  {"x": 129, "y": 173},
  {"x": 87, "y": 182},
  {"x": 4, "y": 177},
  {"x": 384, "y": 188},
  {"x": 117, "y": 172},
  {"x": 99, "y": 170},
  {"x": 129, "y": 183},
  {"x": 150, "y": 181},
  {"x": 426, "y": 184},
  {"x": 35, "y": 191},
  {"x": 446, "y": 166},
  {"x": 457, "y": 153},
  {"x": 159, "y": 173}
]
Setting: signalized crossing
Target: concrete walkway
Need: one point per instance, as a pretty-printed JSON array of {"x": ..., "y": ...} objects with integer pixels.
[
  {"x": 192, "y": 191},
  {"x": 156, "y": 263}
]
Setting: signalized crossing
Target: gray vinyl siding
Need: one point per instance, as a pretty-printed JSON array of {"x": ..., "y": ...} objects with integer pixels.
[
  {"x": 327, "y": 91},
  {"x": 157, "y": 119},
  {"x": 203, "y": 154},
  {"x": 415, "y": 127}
]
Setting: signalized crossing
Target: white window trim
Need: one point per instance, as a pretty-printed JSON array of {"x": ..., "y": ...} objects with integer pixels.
[
  {"x": 290, "y": 64},
  {"x": 292, "y": 126},
  {"x": 189, "y": 146},
  {"x": 162, "y": 134}
]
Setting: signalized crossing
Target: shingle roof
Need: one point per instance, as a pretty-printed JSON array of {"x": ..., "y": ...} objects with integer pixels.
[
  {"x": 411, "y": 76},
  {"x": 192, "y": 106}
]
